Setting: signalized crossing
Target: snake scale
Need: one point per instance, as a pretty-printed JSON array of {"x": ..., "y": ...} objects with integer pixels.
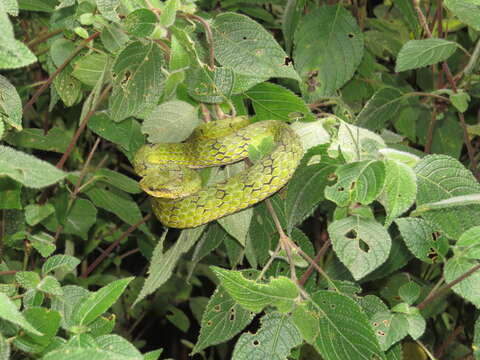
[{"x": 180, "y": 200}]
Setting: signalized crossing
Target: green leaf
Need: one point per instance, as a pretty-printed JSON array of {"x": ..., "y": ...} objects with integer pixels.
[
  {"x": 274, "y": 102},
  {"x": 382, "y": 108},
  {"x": 409, "y": 292},
  {"x": 460, "y": 100},
  {"x": 50, "y": 285},
  {"x": 11, "y": 194},
  {"x": 126, "y": 134},
  {"x": 80, "y": 218},
  {"x": 45, "y": 320},
  {"x": 210, "y": 86},
  {"x": 27, "y": 279},
  {"x": 4, "y": 348},
  {"x": 361, "y": 244},
  {"x": 138, "y": 80},
  {"x": 416, "y": 325},
  {"x": 66, "y": 262},
  {"x": 419, "y": 53},
  {"x": 113, "y": 37},
  {"x": 15, "y": 55},
  {"x": 440, "y": 177},
  {"x": 328, "y": 50},
  {"x": 468, "y": 288},
  {"x": 34, "y": 213},
  {"x": 417, "y": 235},
  {"x": 291, "y": 17},
  {"x": 118, "y": 345},
  {"x": 28, "y": 170},
  {"x": 400, "y": 189},
  {"x": 323, "y": 324},
  {"x": 68, "y": 88},
  {"x": 60, "y": 50},
  {"x": 169, "y": 12},
  {"x": 90, "y": 68},
  {"x": 275, "y": 339},
  {"x": 9, "y": 312},
  {"x": 171, "y": 121},
  {"x": 470, "y": 244},
  {"x": 476, "y": 339},
  {"x": 118, "y": 180},
  {"x": 10, "y": 104},
  {"x": 254, "y": 296},
  {"x": 72, "y": 297},
  {"x": 141, "y": 22},
  {"x": 108, "y": 9},
  {"x": 178, "y": 318},
  {"x": 408, "y": 13},
  {"x": 305, "y": 192},
  {"x": 389, "y": 328},
  {"x": 237, "y": 225},
  {"x": 11, "y": 7},
  {"x": 43, "y": 243},
  {"x": 223, "y": 319},
  {"x": 468, "y": 11},
  {"x": 358, "y": 182},
  {"x": 245, "y": 46},
  {"x": 162, "y": 263},
  {"x": 55, "y": 140},
  {"x": 100, "y": 301}
]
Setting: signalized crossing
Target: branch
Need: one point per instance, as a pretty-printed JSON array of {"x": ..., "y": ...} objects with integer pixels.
[
  {"x": 446, "y": 288},
  {"x": 79, "y": 48},
  {"x": 113, "y": 245}
]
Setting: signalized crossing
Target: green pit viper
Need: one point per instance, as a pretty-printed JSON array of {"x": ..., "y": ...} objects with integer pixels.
[{"x": 180, "y": 200}]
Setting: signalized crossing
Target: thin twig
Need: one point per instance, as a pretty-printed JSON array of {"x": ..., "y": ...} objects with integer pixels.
[
  {"x": 79, "y": 48},
  {"x": 448, "y": 341},
  {"x": 82, "y": 126},
  {"x": 430, "y": 131},
  {"x": 447, "y": 287},
  {"x": 113, "y": 245},
  {"x": 270, "y": 261},
  {"x": 205, "y": 113},
  {"x": 209, "y": 34},
  {"x": 83, "y": 173},
  {"x": 43, "y": 38},
  {"x": 9, "y": 272},
  {"x": 319, "y": 256}
]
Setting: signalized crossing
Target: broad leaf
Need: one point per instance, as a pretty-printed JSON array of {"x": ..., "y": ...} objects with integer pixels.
[
  {"x": 138, "y": 80},
  {"x": 28, "y": 170},
  {"x": 66, "y": 262},
  {"x": 56, "y": 139},
  {"x": 245, "y": 46},
  {"x": 468, "y": 11},
  {"x": 468, "y": 288},
  {"x": 8, "y": 311},
  {"x": 389, "y": 328},
  {"x": 419, "y": 53},
  {"x": 361, "y": 244},
  {"x": 381, "y": 109},
  {"x": 441, "y": 177},
  {"x": 280, "y": 292},
  {"x": 274, "y": 340},
  {"x": 10, "y": 104},
  {"x": 328, "y": 50}
]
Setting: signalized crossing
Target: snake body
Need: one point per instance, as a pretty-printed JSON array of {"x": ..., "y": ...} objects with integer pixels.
[{"x": 214, "y": 144}]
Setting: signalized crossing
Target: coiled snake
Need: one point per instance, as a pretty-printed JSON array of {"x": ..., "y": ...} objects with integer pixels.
[{"x": 180, "y": 201}]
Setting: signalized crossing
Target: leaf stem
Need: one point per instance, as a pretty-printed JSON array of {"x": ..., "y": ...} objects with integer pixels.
[
  {"x": 79, "y": 48},
  {"x": 317, "y": 259},
  {"x": 31, "y": 44}
]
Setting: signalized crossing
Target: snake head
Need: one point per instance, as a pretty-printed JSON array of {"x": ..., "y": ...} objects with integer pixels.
[{"x": 171, "y": 183}]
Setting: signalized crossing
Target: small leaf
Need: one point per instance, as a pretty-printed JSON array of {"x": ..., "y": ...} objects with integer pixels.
[
  {"x": 460, "y": 100},
  {"x": 358, "y": 182},
  {"x": 43, "y": 243},
  {"x": 28, "y": 170},
  {"x": 470, "y": 244},
  {"x": 468, "y": 288},
  {"x": 45, "y": 320},
  {"x": 274, "y": 102},
  {"x": 10, "y": 104},
  {"x": 440, "y": 177},
  {"x": 55, "y": 140},
  {"x": 400, "y": 189},
  {"x": 8, "y": 311},
  {"x": 275, "y": 339},
  {"x": 389, "y": 328},
  {"x": 4, "y": 348},
  {"x": 80, "y": 218},
  {"x": 119, "y": 180},
  {"x": 108, "y": 9},
  {"x": 361, "y": 244},
  {"x": 27, "y": 279},
  {"x": 409, "y": 292},
  {"x": 169, "y": 12},
  {"x": 210, "y": 86},
  {"x": 50, "y": 285},
  {"x": 34, "y": 213},
  {"x": 178, "y": 318},
  {"x": 90, "y": 68},
  {"x": 100, "y": 301},
  {"x": 15, "y": 55},
  {"x": 419, "y": 53},
  {"x": 113, "y": 37},
  {"x": 381, "y": 109},
  {"x": 291, "y": 17},
  {"x": 328, "y": 50},
  {"x": 279, "y": 292},
  {"x": 141, "y": 22},
  {"x": 245, "y": 46},
  {"x": 223, "y": 319},
  {"x": 138, "y": 80},
  {"x": 467, "y": 11},
  {"x": 171, "y": 121},
  {"x": 68, "y": 88}
]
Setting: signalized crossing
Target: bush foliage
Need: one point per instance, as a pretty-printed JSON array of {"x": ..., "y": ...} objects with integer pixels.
[{"x": 370, "y": 252}]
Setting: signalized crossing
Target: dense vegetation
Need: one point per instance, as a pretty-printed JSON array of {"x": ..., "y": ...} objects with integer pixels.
[{"x": 370, "y": 252}]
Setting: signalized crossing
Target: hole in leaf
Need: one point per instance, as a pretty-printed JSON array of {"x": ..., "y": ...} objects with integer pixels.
[
  {"x": 352, "y": 234},
  {"x": 363, "y": 245},
  {"x": 288, "y": 60},
  {"x": 256, "y": 343},
  {"x": 351, "y": 35},
  {"x": 341, "y": 188},
  {"x": 244, "y": 38},
  {"x": 333, "y": 306},
  {"x": 232, "y": 317},
  {"x": 386, "y": 323},
  {"x": 352, "y": 185},
  {"x": 375, "y": 324},
  {"x": 217, "y": 308},
  {"x": 381, "y": 333},
  {"x": 209, "y": 323}
]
